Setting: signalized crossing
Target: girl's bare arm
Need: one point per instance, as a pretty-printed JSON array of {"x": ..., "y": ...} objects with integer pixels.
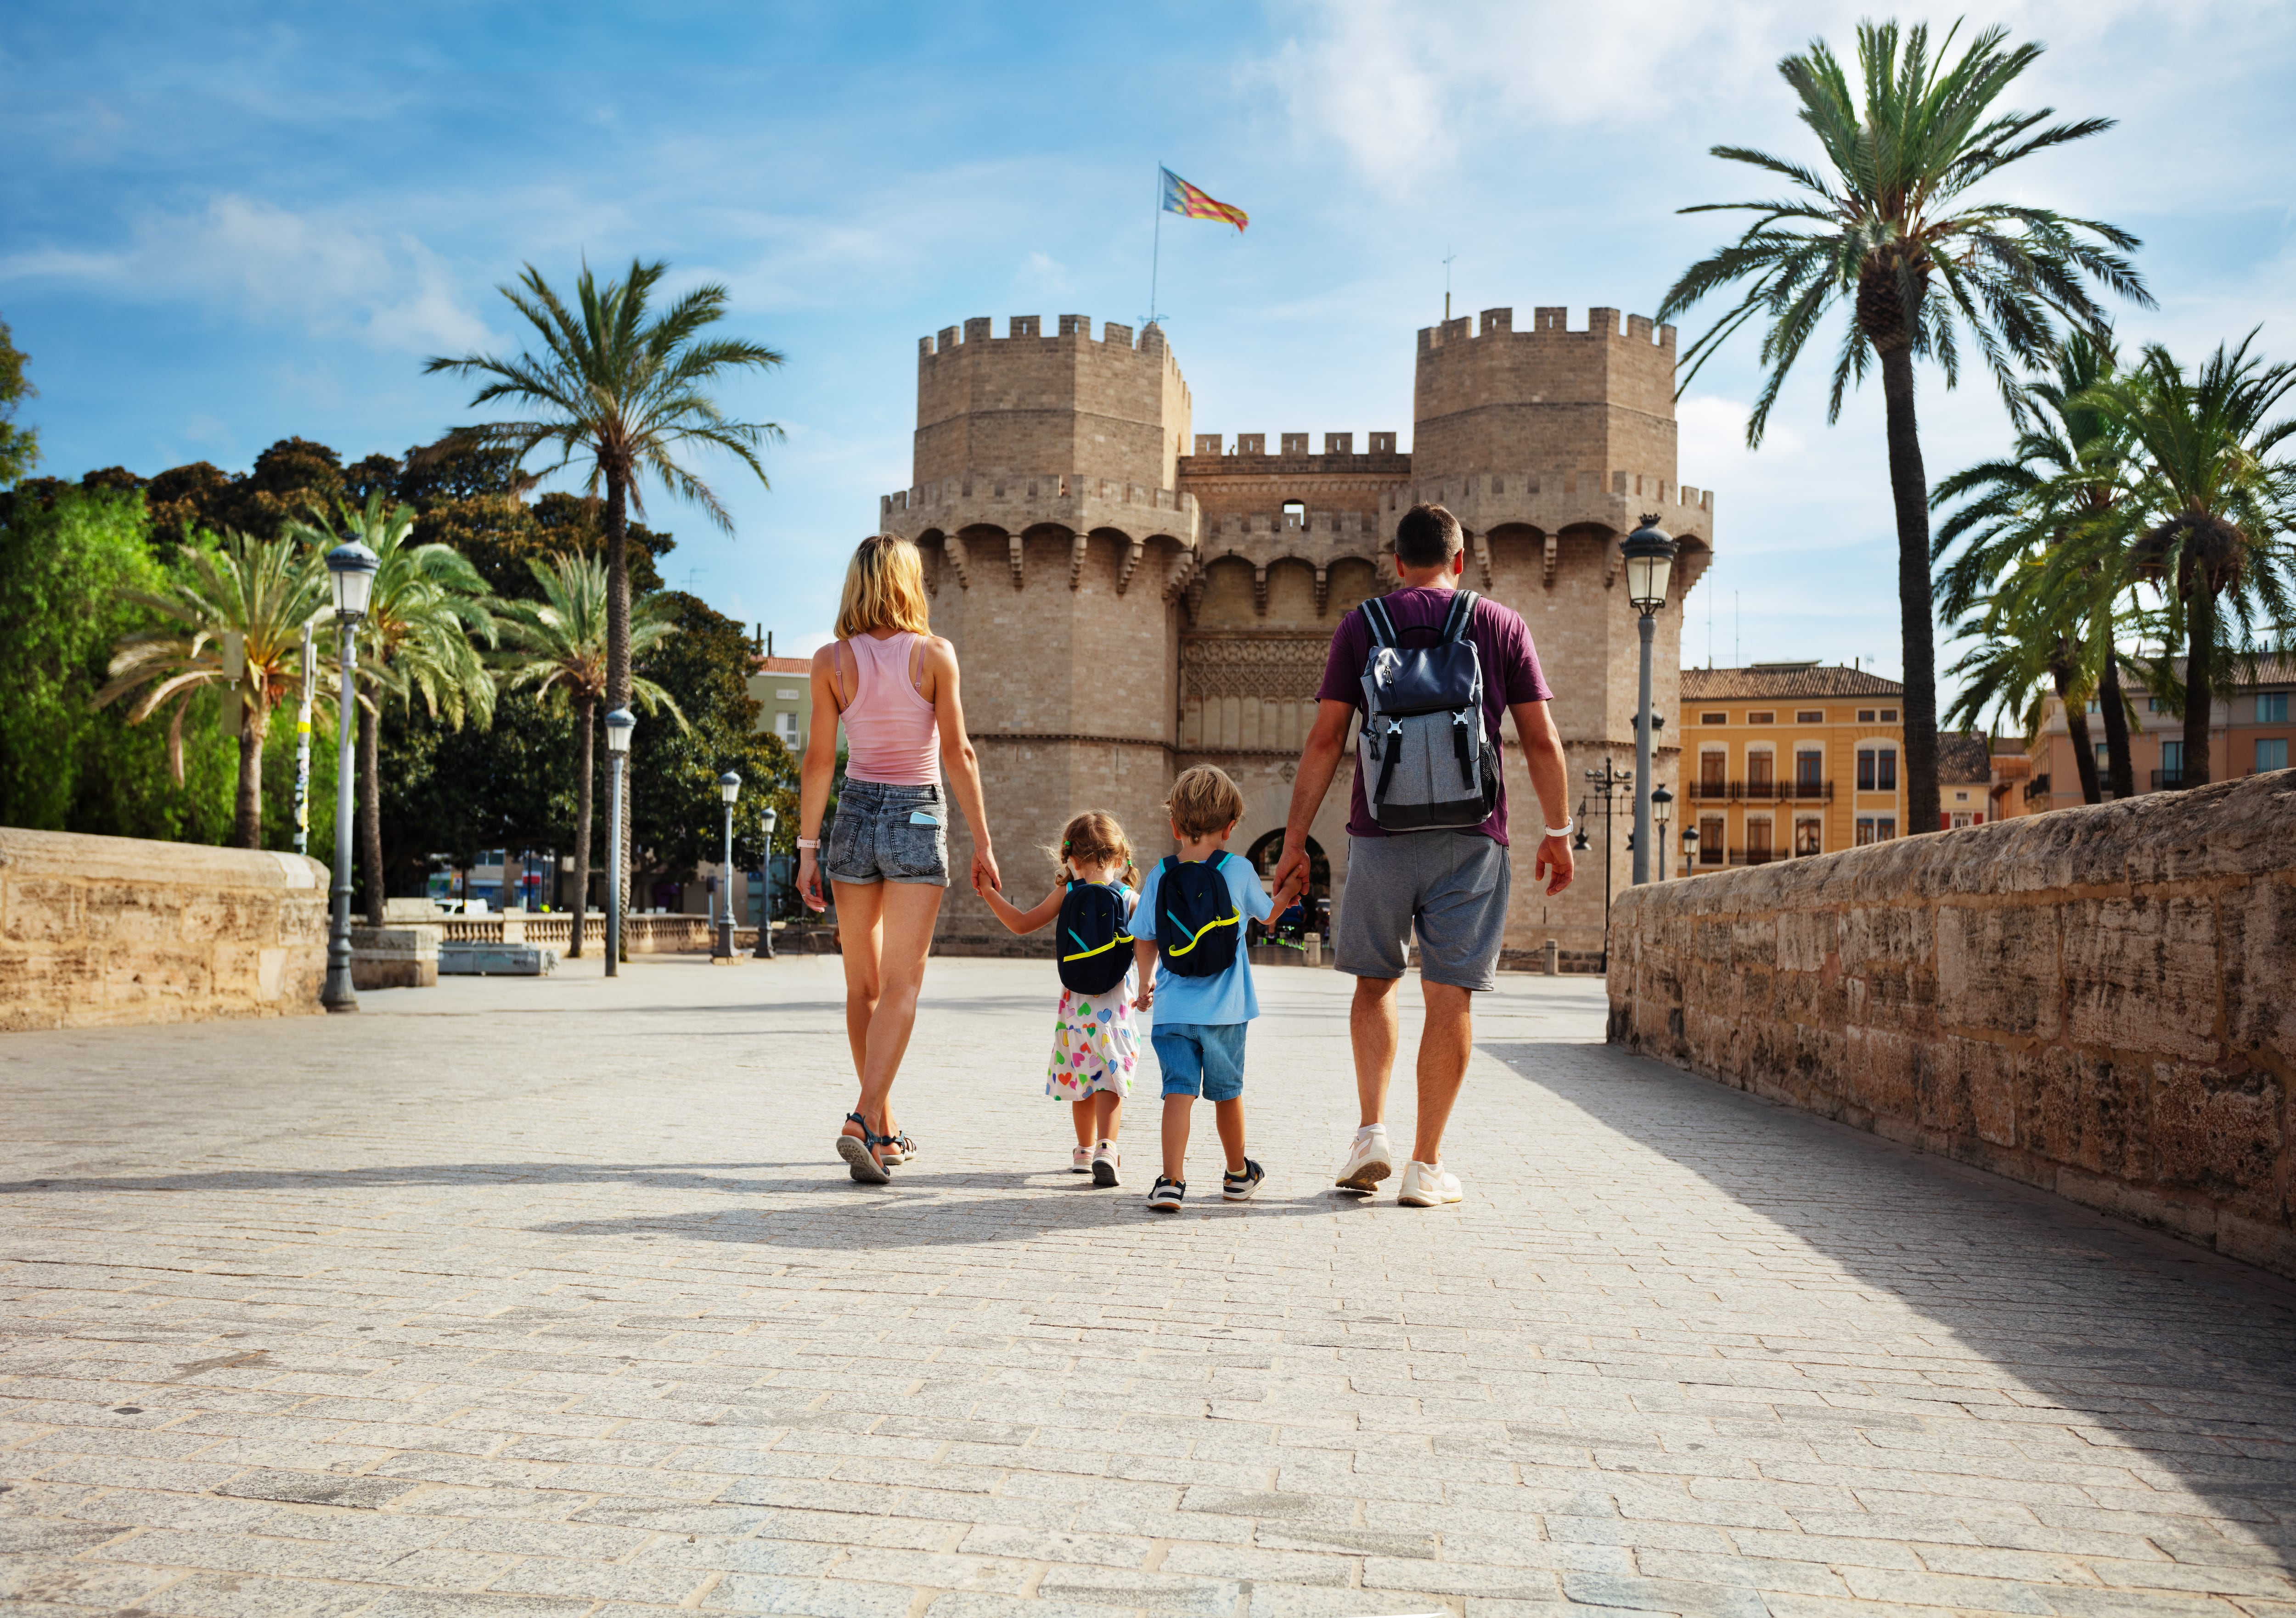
[{"x": 1020, "y": 921}]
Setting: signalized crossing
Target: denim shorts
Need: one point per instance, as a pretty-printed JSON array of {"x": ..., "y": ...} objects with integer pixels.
[
  {"x": 1201, "y": 1058},
  {"x": 885, "y": 833}
]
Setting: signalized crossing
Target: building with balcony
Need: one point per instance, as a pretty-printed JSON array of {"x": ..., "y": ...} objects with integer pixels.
[
  {"x": 1781, "y": 759},
  {"x": 783, "y": 687},
  {"x": 2248, "y": 733}
]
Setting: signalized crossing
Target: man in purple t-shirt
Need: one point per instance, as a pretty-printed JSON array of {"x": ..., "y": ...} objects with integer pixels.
[{"x": 1448, "y": 887}]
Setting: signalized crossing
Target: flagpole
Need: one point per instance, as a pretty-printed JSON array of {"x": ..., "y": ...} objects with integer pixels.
[{"x": 1156, "y": 252}]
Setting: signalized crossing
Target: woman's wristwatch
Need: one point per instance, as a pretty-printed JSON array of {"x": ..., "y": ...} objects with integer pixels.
[{"x": 1563, "y": 830}]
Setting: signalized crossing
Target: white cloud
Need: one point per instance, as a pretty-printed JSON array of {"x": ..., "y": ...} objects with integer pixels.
[{"x": 249, "y": 260}]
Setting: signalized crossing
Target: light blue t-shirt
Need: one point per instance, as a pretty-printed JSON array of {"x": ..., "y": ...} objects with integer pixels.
[{"x": 1226, "y": 997}]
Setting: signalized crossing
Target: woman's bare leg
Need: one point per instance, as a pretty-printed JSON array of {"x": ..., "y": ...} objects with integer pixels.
[{"x": 899, "y": 924}]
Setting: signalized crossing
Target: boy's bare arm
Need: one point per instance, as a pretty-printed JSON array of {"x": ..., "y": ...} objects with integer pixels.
[{"x": 1143, "y": 956}]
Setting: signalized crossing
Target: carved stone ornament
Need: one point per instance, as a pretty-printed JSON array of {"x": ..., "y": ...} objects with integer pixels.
[{"x": 1283, "y": 669}]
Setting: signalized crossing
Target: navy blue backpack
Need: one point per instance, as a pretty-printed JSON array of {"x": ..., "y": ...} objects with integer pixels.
[
  {"x": 1095, "y": 942},
  {"x": 1197, "y": 922}
]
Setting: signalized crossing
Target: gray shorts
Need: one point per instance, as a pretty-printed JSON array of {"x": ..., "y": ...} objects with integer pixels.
[
  {"x": 885, "y": 833},
  {"x": 1449, "y": 886}
]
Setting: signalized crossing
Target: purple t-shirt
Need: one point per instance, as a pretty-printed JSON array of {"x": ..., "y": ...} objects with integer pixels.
[{"x": 1510, "y": 675}]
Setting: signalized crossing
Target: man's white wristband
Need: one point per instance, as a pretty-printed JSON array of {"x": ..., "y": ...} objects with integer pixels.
[{"x": 1563, "y": 830}]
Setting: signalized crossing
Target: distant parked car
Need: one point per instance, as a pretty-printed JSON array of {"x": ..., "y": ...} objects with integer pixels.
[{"x": 463, "y": 907}]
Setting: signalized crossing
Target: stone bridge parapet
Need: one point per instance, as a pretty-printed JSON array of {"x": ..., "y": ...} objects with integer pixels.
[
  {"x": 97, "y": 931},
  {"x": 2095, "y": 1001}
]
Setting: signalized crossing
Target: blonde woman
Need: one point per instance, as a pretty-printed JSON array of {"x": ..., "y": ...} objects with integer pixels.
[{"x": 892, "y": 684}]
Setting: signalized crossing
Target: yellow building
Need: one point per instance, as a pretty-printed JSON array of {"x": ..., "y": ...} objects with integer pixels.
[
  {"x": 1783, "y": 759},
  {"x": 784, "y": 689}
]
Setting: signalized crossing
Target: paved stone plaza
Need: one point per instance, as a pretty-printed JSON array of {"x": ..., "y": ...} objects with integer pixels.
[{"x": 548, "y": 1297}]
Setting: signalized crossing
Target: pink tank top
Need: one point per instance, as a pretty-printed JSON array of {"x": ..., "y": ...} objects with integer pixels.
[{"x": 889, "y": 733}]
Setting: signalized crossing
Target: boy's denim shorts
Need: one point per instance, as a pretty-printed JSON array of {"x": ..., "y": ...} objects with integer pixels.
[
  {"x": 885, "y": 833},
  {"x": 1201, "y": 1058}
]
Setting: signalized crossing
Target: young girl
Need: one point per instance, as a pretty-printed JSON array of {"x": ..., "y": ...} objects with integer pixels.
[{"x": 1094, "y": 1046}]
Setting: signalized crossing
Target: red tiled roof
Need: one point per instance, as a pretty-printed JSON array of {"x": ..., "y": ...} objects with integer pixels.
[
  {"x": 781, "y": 666},
  {"x": 1784, "y": 683}
]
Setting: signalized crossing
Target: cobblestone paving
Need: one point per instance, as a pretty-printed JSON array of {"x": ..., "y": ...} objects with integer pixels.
[{"x": 548, "y": 1297}]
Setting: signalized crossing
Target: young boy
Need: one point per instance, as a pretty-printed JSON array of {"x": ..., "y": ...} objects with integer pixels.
[{"x": 1198, "y": 1033}]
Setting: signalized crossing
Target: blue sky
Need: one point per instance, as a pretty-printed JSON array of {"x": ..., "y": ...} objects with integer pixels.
[{"x": 224, "y": 224}]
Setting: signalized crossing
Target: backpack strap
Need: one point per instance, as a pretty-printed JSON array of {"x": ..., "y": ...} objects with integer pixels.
[
  {"x": 1376, "y": 619},
  {"x": 1461, "y": 612}
]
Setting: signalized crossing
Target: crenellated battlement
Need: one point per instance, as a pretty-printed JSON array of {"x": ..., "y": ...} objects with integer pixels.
[
  {"x": 1549, "y": 326},
  {"x": 977, "y": 335},
  {"x": 1339, "y": 452}
]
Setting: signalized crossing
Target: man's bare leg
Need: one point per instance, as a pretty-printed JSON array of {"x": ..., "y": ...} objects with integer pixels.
[
  {"x": 1374, "y": 1032},
  {"x": 1444, "y": 1045}
]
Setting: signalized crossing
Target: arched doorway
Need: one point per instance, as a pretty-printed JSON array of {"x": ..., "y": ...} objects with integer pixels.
[{"x": 1317, "y": 899}]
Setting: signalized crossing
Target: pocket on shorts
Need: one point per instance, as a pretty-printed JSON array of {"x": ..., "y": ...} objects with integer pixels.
[{"x": 915, "y": 853}]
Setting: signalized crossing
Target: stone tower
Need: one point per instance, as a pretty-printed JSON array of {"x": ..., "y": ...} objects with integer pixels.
[
  {"x": 1045, "y": 502},
  {"x": 1128, "y": 598}
]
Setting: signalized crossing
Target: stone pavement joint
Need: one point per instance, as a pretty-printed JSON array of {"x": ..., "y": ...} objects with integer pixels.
[{"x": 542, "y": 1297}]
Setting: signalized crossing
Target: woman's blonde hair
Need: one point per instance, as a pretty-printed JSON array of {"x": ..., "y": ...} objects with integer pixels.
[
  {"x": 884, "y": 588},
  {"x": 1094, "y": 838}
]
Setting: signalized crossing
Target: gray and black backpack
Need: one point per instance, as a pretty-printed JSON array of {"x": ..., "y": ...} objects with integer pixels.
[{"x": 1427, "y": 762}]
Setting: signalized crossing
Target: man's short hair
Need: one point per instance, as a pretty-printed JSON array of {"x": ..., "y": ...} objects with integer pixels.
[
  {"x": 1428, "y": 537},
  {"x": 1204, "y": 801}
]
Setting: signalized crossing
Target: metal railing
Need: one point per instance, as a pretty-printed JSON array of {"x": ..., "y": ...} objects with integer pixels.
[
  {"x": 2167, "y": 780},
  {"x": 1760, "y": 791}
]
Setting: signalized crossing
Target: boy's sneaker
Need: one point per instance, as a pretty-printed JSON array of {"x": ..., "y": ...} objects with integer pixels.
[
  {"x": 1369, "y": 1161},
  {"x": 1239, "y": 1187},
  {"x": 1081, "y": 1161},
  {"x": 1164, "y": 1195},
  {"x": 1427, "y": 1184},
  {"x": 1105, "y": 1162}
]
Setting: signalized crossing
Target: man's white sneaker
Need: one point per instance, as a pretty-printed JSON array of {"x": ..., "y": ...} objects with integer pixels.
[
  {"x": 1369, "y": 1162},
  {"x": 1427, "y": 1184}
]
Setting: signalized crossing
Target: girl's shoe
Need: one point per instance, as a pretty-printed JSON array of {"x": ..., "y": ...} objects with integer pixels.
[
  {"x": 1164, "y": 1196},
  {"x": 860, "y": 1154},
  {"x": 1239, "y": 1187},
  {"x": 1081, "y": 1161},
  {"x": 1104, "y": 1164}
]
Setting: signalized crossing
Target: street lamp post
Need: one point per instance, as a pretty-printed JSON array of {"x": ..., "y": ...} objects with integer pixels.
[
  {"x": 1689, "y": 849},
  {"x": 619, "y": 724},
  {"x": 1649, "y": 555},
  {"x": 1662, "y": 807},
  {"x": 729, "y": 787},
  {"x": 764, "y": 950},
  {"x": 351, "y": 568},
  {"x": 1609, "y": 783}
]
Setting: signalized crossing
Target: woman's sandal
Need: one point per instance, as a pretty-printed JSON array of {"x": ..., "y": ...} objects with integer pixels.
[
  {"x": 904, "y": 1148},
  {"x": 859, "y": 1151}
]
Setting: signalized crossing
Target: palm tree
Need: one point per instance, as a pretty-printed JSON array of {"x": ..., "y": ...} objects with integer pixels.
[
  {"x": 1885, "y": 225},
  {"x": 623, "y": 393},
  {"x": 2019, "y": 648},
  {"x": 424, "y": 606},
  {"x": 257, "y": 593},
  {"x": 557, "y": 647},
  {"x": 2030, "y": 531},
  {"x": 2209, "y": 518}
]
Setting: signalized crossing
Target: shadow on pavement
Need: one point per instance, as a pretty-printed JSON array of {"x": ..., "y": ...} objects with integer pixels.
[{"x": 2188, "y": 1358}]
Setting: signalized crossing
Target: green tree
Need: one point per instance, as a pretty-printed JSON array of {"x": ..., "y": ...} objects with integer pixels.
[
  {"x": 2208, "y": 520},
  {"x": 678, "y": 815},
  {"x": 555, "y": 647},
  {"x": 258, "y": 593},
  {"x": 19, "y": 446},
  {"x": 1885, "y": 225},
  {"x": 2028, "y": 529},
  {"x": 624, "y": 392},
  {"x": 423, "y": 608}
]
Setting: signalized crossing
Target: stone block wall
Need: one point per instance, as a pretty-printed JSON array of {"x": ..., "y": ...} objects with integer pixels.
[
  {"x": 99, "y": 930},
  {"x": 2094, "y": 1000}
]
